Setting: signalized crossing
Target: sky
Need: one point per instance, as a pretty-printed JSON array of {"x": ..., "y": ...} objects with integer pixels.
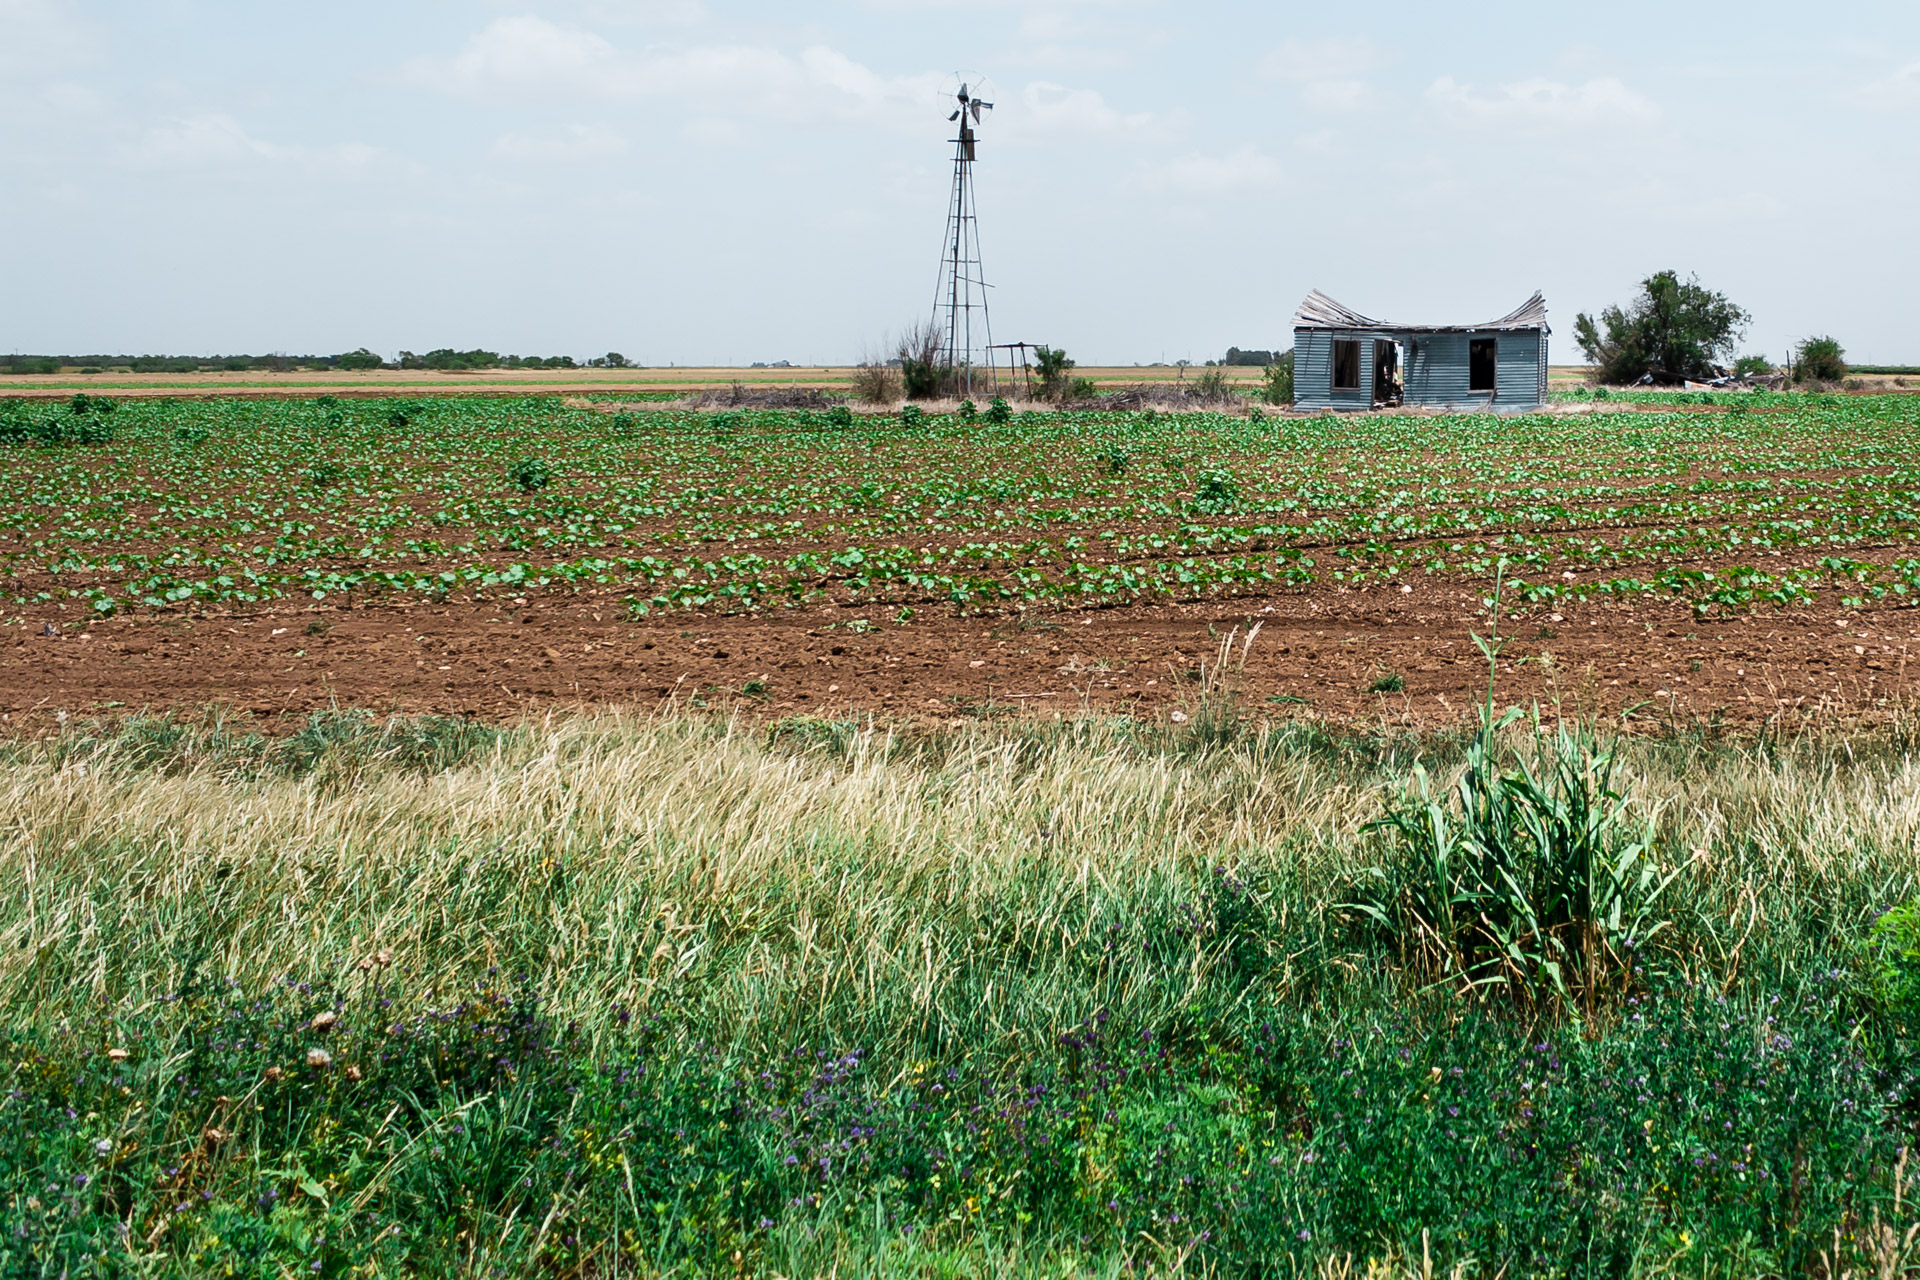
[{"x": 705, "y": 181}]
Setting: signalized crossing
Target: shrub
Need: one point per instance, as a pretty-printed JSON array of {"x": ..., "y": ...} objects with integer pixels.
[
  {"x": 1277, "y": 385},
  {"x": 1752, "y": 366},
  {"x": 530, "y": 474},
  {"x": 1213, "y": 384},
  {"x": 1052, "y": 364},
  {"x": 1893, "y": 967},
  {"x": 923, "y": 362},
  {"x": 1820, "y": 360},
  {"x": 999, "y": 412},
  {"x": 968, "y": 410},
  {"x": 1081, "y": 389},
  {"x": 911, "y": 415},
  {"x": 875, "y": 383},
  {"x": 840, "y": 416},
  {"x": 1217, "y": 493}
]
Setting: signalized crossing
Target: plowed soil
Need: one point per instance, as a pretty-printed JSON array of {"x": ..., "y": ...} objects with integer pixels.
[{"x": 1332, "y": 654}]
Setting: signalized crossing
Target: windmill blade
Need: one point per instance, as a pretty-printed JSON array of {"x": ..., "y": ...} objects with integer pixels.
[
  {"x": 978, "y": 107},
  {"x": 953, "y": 117}
]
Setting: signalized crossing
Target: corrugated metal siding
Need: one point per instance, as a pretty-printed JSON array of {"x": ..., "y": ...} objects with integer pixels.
[
  {"x": 1436, "y": 373},
  {"x": 1313, "y": 371},
  {"x": 1518, "y": 374}
]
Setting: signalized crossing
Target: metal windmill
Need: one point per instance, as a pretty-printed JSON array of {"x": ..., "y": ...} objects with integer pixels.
[{"x": 962, "y": 290}]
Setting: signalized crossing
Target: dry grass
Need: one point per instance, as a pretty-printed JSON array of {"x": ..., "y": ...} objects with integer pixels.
[{"x": 863, "y": 879}]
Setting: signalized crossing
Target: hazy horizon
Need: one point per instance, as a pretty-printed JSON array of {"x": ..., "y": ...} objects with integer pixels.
[{"x": 711, "y": 183}]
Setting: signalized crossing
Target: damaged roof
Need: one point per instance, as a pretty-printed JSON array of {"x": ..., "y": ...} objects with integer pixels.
[{"x": 1318, "y": 311}]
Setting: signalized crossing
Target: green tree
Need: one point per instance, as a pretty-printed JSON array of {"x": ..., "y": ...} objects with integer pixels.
[
  {"x": 1675, "y": 329},
  {"x": 361, "y": 359},
  {"x": 1819, "y": 360},
  {"x": 1053, "y": 365}
]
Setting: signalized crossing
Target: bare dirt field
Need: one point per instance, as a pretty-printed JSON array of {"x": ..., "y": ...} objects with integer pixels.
[
  {"x": 1320, "y": 655},
  {"x": 1681, "y": 563}
]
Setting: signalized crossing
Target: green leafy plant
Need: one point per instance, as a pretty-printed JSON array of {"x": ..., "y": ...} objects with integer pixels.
[
  {"x": 921, "y": 352},
  {"x": 1276, "y": 386},
  {"x": 1217, "y": 492},
  {"x": 1531, "y": 878},
  {"x": 1892, "y": 953},
  {"x": 1819, "y": 360},
  {"x": 1388, "y": 682},
  {"x": 967, "y": 410},
  {"x": 1052, "y": 365},
  {"x": 874, "y": 382},
  {"x": 325, "y": 475},
  {"x": 1212, "y": 384},
  {"x": 912, "y": 415},
  {"x": 530, "y": 474},
  {"x": 999, "y": 412},
  {"x": 1115, "y": 458}
]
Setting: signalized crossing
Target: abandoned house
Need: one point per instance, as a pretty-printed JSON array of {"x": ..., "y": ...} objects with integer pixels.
[{"x": 1343, "y": 360}]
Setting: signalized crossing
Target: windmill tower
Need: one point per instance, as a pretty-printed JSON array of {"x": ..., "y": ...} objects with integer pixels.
[{"x": 962, "y": 291}]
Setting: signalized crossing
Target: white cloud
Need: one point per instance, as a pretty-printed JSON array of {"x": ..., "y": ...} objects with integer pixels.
[
  {"x": 1539, "y": 103},
  {"x": 1045, "y": 108},
  {"x": 1328, "y": 72},
  {"x": 1247, "y": 169},
  {"x": 1340, "y": 95},
  {"x": 576, "y": 144},
  {"x": 216, "y": 141},
  {"x": 524, "y": 53},
  {"x": 1305, "y": 61},
  {"x": 200, "y": 141},
  {"x": 678, "y": 13},
  {"x": 1894, "y": 92},
  {"x": 531, "y": 58},
  {"x": 42, "y": 39},
  {"x": 714, "y": 131}
]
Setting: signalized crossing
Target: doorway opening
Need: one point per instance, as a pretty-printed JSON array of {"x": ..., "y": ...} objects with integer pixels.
[
  {"x": 1388, "y": 389},
  {"x": 1483, "y": 364}
]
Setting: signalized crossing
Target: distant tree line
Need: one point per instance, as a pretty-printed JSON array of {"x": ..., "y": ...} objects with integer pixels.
[
  {"x": 1235, "y": 356},
  {"x": 445, "y": 358}
]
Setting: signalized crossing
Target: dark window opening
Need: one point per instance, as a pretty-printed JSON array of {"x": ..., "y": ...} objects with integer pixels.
[
  {"x": 1346, "y": 364},
  {"x": 1483, "y": 362}
]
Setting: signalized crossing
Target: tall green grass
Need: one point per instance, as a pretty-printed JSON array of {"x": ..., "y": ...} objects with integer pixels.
[{"x": 677, "y": 996}]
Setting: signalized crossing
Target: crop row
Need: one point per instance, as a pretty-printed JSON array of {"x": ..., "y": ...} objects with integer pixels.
[{"x": 171, "y": 503}]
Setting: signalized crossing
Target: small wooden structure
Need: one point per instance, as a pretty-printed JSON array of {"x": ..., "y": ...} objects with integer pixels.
[{"x": 1344, "y": 360}]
